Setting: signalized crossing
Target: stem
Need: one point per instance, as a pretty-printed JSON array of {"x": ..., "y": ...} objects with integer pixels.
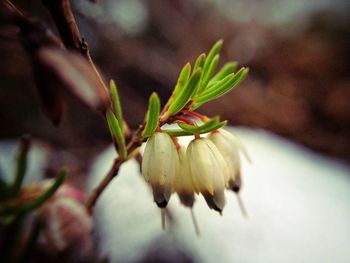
[
  {"x": 185, "y": 120},
  {"x": 195, "y": 223},
  {"x": 103, "y": 184},
  {"x": 195, "y": 115},
  {"x": 242, "y": 206},
  {"x": 61, "y": 12},
  {"x": 134, "y": 143}
]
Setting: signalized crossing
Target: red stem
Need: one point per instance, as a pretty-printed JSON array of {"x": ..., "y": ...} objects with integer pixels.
[
  {"x": 185, "y": 120},
  {"x": 194, "y": 114}
]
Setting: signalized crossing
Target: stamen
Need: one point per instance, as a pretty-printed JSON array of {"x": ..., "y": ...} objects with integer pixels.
[
  {"x": 162, "y": 215},
  {"x": 195, "y": 223},
  {"x": 241, "y": 206}
]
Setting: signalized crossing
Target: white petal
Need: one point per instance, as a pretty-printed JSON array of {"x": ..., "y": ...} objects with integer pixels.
[
  {"x": 183, "y": 181},
  {"x": 207, "y": 166},
  {"x": 159, "y": 166},
  {"x": 159, "y": 159}
]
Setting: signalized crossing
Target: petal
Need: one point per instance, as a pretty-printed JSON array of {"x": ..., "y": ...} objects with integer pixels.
[{"x": 207, "y": 166}]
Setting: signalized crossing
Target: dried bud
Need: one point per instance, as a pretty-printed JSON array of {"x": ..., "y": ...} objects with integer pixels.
[
  {"x": 76, "y": 76},
  {"x": 67, "y": 226}
]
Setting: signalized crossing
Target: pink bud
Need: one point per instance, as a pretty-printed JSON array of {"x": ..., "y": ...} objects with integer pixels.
[{"x": 67, "y": 224}]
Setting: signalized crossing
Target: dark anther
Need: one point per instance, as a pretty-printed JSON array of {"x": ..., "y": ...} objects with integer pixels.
[{"x": 162, "y": 204}]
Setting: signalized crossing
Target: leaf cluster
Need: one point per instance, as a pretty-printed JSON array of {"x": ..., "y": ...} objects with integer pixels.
[
  {"x": 194, "y": 88},
  {"x": 114, "y": 117}
]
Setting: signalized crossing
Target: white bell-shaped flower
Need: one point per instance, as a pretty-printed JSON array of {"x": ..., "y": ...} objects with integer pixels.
[
  {"x": 209, "y": 172},
  {"x": 183, "y": 182},
  {"x": 230, "y": 147},
  {"x": 159, "y": 164}
]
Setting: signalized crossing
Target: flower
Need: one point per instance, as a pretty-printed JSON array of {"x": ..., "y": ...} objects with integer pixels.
[
  {"x": 159, "y": 163},
  {"x": 209, "y": 172},
  {"x": 183, "y": 182},
  {"x": 230, "y": 148}
]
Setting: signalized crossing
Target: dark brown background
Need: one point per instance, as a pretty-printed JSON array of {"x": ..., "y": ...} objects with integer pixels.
[{"x": 299, "y": 84}]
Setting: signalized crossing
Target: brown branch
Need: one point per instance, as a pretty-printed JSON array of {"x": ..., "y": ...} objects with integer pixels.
[
  {"x": 103, "y": 184},
  {"x": 134, "y": 143},
  {"x": 61, "y": 12}
]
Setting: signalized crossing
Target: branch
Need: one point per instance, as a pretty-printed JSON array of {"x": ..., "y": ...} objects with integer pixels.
[
  {"x": 103, "y": 184},
  {"x": 134, "y": 143},
  {"x": 61, "y": 12}
]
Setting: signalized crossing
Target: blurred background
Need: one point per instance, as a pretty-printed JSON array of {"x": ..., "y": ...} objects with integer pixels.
[
  {"x": 297, "y": 52},
  {"x": 298, "y": 87}
]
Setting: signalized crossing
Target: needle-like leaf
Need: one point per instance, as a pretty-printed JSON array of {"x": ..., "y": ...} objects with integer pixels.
[
  {"x": 152, "y": 116},
  {"x": 223, "y": 72},
  {"x": 208, "y": 61},
  {"x": 117, "y": 108},
  {"x": 117, "y": 134},
  {"x": 182, "y": 99},
  {"x": 179, "y": 132},
  {"x": 220, "y": 88}
]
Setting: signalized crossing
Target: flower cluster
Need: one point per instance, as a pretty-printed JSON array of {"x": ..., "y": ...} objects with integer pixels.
[{"x": 207, "y": 166}]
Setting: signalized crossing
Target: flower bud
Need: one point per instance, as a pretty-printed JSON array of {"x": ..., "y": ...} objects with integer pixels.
[
  {"x": 209, "y": 172},
  {"x": 183, "y": 182},
  {"x": 159, "y": 164},
  {"x": 230, "y": 147},
  {"x": 67, "y": 225}
]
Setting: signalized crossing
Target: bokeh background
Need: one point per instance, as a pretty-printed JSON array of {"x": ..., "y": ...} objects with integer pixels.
[
  {"x": 298, "y": 87},
  {"x": 298, "y": 53}
]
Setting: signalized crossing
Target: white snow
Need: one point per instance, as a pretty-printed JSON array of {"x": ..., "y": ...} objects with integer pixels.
[{"x": 298, "y": 204}]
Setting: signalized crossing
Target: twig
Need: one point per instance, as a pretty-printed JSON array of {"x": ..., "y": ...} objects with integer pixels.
[
  {"x": 103, "y": 184},
  {"x": 61, "y": 12},
  {"x": 135, "y": 142}
]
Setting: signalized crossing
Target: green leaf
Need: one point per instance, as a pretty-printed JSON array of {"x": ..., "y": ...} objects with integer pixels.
[
  {"x": 199, "y": 128},
  {"x": 117, "y": 108},
  {"x": 183, "y": 78},
  {"x": 224, "y": 71},
  {"x": 182, "y": 99},
  {"x": 211, "y": 55},
  {"x": 34, "y": 204},
  {"x": 220, "y": 88},
  {"x": 199, "y": 62},
  {"x": 117, "y": 134},
  {"x": 60, "y": 177},
  {"x": 178, "y": 132},
  {"x": 21, "y": 165},
  {"x": 152, "y": 116},
  {"x": 208, "y": 73}
]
